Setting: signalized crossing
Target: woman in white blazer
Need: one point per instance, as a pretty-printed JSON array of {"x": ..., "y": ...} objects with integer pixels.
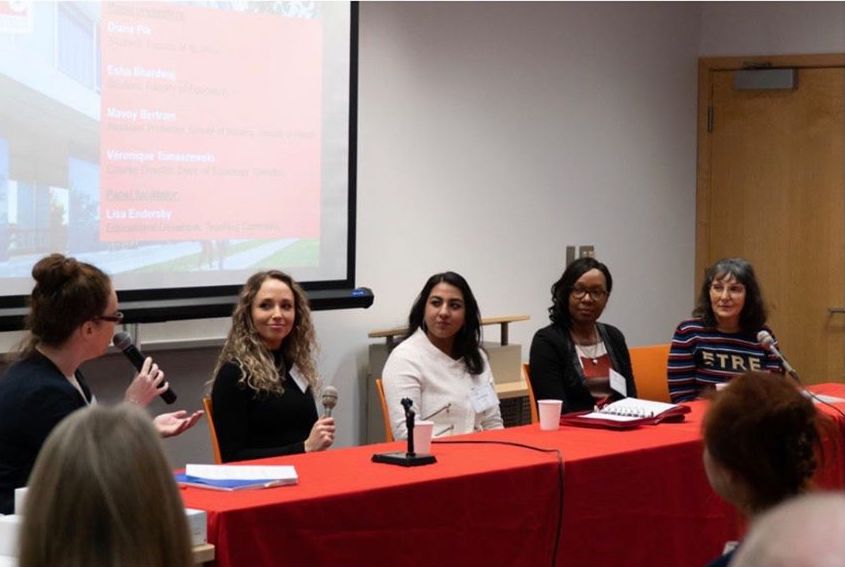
[{"x": 440, "y": 365}]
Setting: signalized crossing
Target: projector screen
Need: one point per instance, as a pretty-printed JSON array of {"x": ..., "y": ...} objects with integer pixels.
[{"x": 178, "y": 146}]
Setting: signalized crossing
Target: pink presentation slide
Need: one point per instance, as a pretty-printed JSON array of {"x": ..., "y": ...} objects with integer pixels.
[{"x": 203, "y": 136}]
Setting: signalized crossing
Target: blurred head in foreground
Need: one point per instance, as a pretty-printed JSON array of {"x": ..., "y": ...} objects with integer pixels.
[
  {"x": 761, "y": 441},
  {"x": 808, "y": 531},
  {"x": 102, "y": 494}
]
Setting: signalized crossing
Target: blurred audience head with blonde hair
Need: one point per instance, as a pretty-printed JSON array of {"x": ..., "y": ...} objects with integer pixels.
[
  {"x": 102, "y": 494},
  {"x": 807, "y": 531}
]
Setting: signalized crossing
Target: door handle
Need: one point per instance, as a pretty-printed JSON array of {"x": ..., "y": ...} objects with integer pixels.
[{"x": 835, "y": 310}]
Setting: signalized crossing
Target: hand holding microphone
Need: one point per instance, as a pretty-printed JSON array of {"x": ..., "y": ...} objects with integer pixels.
[
  {"x": 322, "y": 433},
  {"x": 147, "y": 384},
  {"x": 150, "y": 379}
]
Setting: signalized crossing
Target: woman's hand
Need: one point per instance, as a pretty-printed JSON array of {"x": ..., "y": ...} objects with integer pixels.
[
  {"x": 174, "y": 423},
  {"x": 148, "y": 384},
  {"x": 322, "y": 435}
]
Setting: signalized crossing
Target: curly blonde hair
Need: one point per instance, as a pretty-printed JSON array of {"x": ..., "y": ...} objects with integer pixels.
[{"x": 245, "y": 348}]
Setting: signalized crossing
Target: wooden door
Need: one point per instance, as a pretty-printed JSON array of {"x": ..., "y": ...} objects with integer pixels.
[{"x": 772, "y": 190}]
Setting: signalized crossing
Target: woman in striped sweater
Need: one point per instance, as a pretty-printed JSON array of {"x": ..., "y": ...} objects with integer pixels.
[{"x": 720, "y": 340}]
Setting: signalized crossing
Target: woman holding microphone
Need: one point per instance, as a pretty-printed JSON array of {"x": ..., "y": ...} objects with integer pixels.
[
  {"x": 263, "y": 390},
  {"x": 72, "y": 317}
]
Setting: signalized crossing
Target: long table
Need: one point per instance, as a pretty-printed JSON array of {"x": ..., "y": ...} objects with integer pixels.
[{"x": 630, "y": 498}]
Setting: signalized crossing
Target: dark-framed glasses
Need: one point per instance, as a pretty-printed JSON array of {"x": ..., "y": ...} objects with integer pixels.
[
  {"x": 597, "y": 293},
  {"x": 116, "y": 318}
]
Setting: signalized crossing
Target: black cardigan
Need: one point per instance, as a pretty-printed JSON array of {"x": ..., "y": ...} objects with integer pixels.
[
  {"x": 556, "y": 373},
  {"x": 34, "y": 397}
]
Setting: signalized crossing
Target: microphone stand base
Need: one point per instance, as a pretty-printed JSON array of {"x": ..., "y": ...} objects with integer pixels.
[{"x": 404, "y": 459}]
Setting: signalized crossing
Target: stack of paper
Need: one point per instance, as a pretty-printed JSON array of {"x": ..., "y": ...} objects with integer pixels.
[{"x": 237, "y": 477}]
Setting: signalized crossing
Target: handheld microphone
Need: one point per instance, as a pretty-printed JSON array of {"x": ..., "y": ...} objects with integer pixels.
[
  {"x": 768, "y": 342},
  {"x": 329, "y": 400},
  {"x": 123, "y": 341}
]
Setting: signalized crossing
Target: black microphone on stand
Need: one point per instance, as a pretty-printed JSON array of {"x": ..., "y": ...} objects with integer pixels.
[
  {"x": 123, "y": 341},
  {"x": 406, "y": 458},
  {"x": 768, "y": 342}
]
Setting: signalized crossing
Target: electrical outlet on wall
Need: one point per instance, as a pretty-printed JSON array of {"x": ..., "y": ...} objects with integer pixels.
[{"x": 570, "y": 254}]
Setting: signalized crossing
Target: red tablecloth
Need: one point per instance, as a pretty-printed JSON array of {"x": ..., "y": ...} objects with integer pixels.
[{"x": 631, "y": 498}]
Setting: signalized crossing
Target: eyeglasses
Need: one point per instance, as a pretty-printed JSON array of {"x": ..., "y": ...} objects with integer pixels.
[
  {"x": 116, "y": 318},
  {"x": 581, "y": 292},
  {"x": 734, "y": 290}
]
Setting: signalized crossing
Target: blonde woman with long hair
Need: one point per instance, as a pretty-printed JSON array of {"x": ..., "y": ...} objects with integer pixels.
[
  {"x": 265, "y": 379},
  {"x": 102, "y": 493}
]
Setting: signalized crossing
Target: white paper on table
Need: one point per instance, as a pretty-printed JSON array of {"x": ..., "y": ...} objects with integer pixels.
[
  {"x": 610, "y": 417},
  {"x": 630, "y": 409},
  {"x": 242, "y": 472}
]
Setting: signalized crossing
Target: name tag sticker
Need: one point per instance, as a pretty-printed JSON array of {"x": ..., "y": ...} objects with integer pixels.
[
  {"x": 618, "y": 383},
  {"x": 482, "y": 397}
]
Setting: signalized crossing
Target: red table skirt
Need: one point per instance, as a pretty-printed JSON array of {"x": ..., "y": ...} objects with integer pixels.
[{"x": 630, "y": 498}]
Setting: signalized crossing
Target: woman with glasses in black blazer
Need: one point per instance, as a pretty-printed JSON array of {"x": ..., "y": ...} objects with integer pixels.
[
  {"x": 576, "y": 359},
  {"x": 72, "y": 318}
]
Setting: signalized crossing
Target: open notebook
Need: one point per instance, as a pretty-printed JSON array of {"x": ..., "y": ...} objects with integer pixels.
[{"x": 627, "y": 413}]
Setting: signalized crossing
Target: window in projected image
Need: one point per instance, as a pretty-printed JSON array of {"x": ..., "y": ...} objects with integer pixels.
[{"x": 176, "y": 145}]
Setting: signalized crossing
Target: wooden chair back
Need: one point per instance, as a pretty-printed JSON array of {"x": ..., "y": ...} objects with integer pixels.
[
  {"x": 388, "y": 430},
  {"x": 209, "y": 419},
  {"x": 532, "y": 401}
]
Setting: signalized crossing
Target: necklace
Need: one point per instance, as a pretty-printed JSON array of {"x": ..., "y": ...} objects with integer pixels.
[{"x": 594, "y": 347}]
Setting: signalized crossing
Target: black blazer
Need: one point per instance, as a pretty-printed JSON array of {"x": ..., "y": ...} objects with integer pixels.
[{"x": 556, "y": 373}]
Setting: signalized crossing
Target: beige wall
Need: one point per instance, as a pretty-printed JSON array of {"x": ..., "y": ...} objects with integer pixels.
[{"x": 491, "y": 135}]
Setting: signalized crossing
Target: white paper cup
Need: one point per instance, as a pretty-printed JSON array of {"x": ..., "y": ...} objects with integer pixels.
[
  {"x": 549, "y": 414},
  {"x": 422, "y": 436}
]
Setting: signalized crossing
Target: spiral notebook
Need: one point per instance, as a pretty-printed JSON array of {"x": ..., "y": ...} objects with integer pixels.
[{"x": 627, "y": 413}]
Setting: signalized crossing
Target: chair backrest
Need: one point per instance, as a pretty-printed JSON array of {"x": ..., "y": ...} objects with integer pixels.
[
  {"x": 649, "y": 364},
  {"x": 388, "y": 430},
  {"x": 209, "y": 419},
  {"x": 532, "y": 401}
]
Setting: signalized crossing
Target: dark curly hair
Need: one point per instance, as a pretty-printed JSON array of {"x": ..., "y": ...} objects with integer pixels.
[
  {"x": 765, "y": 431},
  {"x": 559, "y": 311},
  {"x": 468, "y": 339},
  {"x": 753, "y": 314}
]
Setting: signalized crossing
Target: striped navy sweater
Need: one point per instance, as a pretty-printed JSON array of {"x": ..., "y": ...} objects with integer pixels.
[{"x": 702, "y": 357}]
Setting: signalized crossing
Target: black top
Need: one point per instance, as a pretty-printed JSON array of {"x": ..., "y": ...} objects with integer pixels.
[
  {"x": 252, "y": 425},
  {"x": 556, "y": 373},
  {"x": 34, "y": 397}
]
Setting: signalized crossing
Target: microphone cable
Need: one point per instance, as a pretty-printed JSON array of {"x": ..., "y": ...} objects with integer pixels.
[
  {"x": 819, "y": 400},
  {"x": 767, "y": 341},
  {"x": 560, "y": 476}
]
